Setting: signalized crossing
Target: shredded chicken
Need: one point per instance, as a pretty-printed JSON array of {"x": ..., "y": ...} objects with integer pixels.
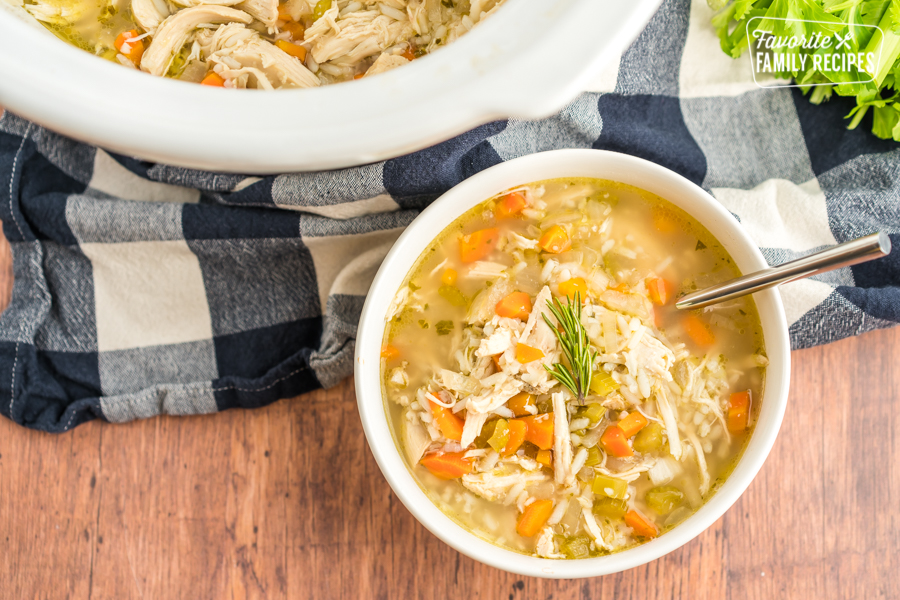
[
  {"x": 174, "y": 31},
  {"x": 237, "y": 51},
  {"x": 385, "y": 62},
  {"x": 150, "y": 13},
  {"x": 495, "y": 487}
]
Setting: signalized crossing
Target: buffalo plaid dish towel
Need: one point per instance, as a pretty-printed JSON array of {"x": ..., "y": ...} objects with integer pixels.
[{"x": 144, "y": 289}]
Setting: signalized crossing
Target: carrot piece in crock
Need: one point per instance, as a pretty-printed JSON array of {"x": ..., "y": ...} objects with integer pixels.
[
  {"x": 539, "y": 430},
  {"x": 517, "y": 431},
  {"x": 738, "y": 415},
  {"x": 633, "y": 423},
  {"x": 478, "y": 245},
  {"x": 298, "y": 52},
  {"x": 659, "y": 290},
  {"x": 555, "y": 240},
  {"x": 448, "y": 277},
  {"x": 545, "y": 457},
  {"x": 614, "y": 442},
  {"x": 389, "y": 352},
  {"x": 642, "y": 526},
  {"x": 526, "y": 353},
  {"x": 213, "y": 79},
  {"x": 698, "y": 330},
  {"x": 534, "y": 517},
  {"x": 515, "y": 306},
  {"x": 570, "y": 286},
  {"x": 511, "y": 205},
  {"x": 449, "y": 424},
  {"x": 297, "y": 30},
  {"x": 447, "y": 465},
  {"x": 519, "y": 404},
  {"x": 664, "y": 220},
  {"x": 130, "y": 47}
]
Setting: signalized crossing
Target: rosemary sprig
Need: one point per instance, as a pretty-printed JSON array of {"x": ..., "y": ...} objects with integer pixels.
[{"x": 576, "y": 376}]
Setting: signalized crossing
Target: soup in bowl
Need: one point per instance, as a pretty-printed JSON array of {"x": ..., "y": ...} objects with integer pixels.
[{"x": 539, "y": 390}]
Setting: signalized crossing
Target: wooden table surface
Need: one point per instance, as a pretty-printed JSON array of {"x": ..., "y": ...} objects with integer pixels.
[{"x": 287, "y": 502}]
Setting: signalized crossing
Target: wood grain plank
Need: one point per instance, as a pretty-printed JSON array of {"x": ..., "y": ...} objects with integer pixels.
[{"x": 288, "y": 502}]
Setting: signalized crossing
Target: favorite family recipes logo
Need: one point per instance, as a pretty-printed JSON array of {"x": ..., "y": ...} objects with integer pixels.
[{"x": 812, "y": 53}]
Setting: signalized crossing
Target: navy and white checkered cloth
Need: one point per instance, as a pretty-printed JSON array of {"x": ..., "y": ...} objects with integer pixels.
[{"x": 144, "y": 289}]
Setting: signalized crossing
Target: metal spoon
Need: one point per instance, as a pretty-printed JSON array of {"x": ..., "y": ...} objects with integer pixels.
[{"x": 843, "y": 255}]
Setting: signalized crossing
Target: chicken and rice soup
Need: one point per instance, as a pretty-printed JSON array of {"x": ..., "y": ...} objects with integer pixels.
[
  {"x": 543, "y": 388},
  {"x": 265, "y": 44}
]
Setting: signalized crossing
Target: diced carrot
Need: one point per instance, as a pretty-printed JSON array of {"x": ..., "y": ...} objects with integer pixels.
[
  {"x": 545, "y": 457},
  {"x": 614, "y": 442},
  {"x": 359, "y": 76},
  {"x": 664, "y": 220},
  {"x": 213, "y": 79},
  {"x": 297, "y": 30},
  {"x": 496, "y": 360},
  {"x": 570, "y": 286},
  {"x": 516, "y": 437},
  {"x": 447, "y": 465},
  {"x": 298, "y": 52},
  {"x": 130, "y": 47},
  {"x": 738, "y": 415},
  {"x": 539, "y": 430},
  {"x": 621, "y": 287},
  {"x": 526, "y": 353},
  {"x": 448, "y": 277},
  {"x": 478, "y": 245},
  {"x": 633, "y": 423},
  {"x": 534, "y": 517},
  {"x": 511, "y": 205},
  {"x": 283, "y": 12},
  {"x": 389, "y": 352},
  {"x": 659, "y": 289},
  {"x": 408, "y": 54},
  {"x": 449, "y": 424},
  {"x": 515, "y": 306},
  {"x": 657, "y": 318},
  {"x": 519, "y": 403},
  {"x": 641, "y": 525},
  {"x": 555, "y": 240},
  {"x": 698, "y": 330}
]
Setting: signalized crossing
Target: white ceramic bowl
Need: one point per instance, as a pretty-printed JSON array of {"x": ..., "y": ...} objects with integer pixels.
[
  {"x": 526, "y": 61},
  {"x": 549, "y": 165}
]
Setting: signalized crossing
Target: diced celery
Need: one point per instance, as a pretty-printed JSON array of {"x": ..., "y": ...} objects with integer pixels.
[
  {"x": 649, "y": 439},
  {"x": 610, "y": 508},
  {"x": 500, "y": 436},
  {"x": 452, "y": 294},
  {"x": 664, "y": 498},
  {"x": 603, "y": 384},
  {"x": 593, "y": 457},
  {"x": 321, "y": 7},
  {"x": 577, "y": 547},
  {"x": 613, "y": 487},
  {"x": 487, "y": 430},
  {"x": 593, "y": 412}
]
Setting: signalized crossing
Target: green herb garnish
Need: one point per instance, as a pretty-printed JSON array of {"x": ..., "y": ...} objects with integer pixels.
[
  {"x": 576, "y": 376},
  {"x": 443, "y": 327}
]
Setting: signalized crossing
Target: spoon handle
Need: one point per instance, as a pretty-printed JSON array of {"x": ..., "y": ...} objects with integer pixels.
[{"x": 843, "y": 255}]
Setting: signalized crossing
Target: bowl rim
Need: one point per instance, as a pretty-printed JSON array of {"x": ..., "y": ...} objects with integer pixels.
[
  {"x": 485, "y": 75},
  {"x": 469, "y": 193}
]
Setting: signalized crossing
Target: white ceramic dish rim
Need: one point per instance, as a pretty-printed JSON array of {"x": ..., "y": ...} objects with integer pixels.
[
  {"x": 487, "y": 74},
  {"x": 547, "y": 165}
]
